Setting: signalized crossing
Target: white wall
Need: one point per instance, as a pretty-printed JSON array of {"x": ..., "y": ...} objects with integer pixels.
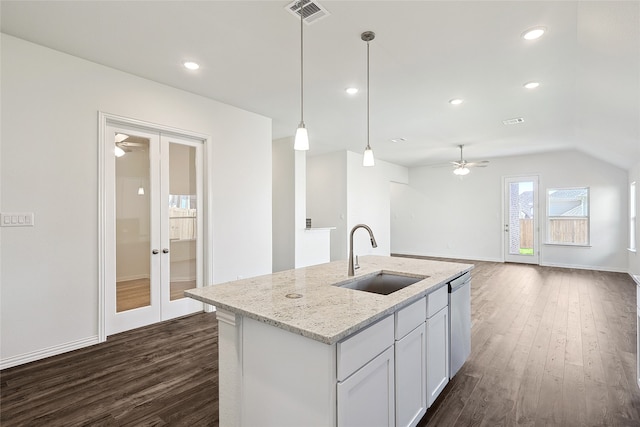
[
  {"x": 293, "y": 245},
  {"x": 49, "y": 136},
  {"x": 369, "y": 202},
  {"x": 327, "y": 197},
  {"x": 342, "y": 193},
  {"x": 283, "y": 216},
  {"x": 634, "y": 257},
  {"x": 439, "y": 214}
]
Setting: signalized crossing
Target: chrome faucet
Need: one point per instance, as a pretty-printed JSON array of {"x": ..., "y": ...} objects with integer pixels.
[{"x": 373, "y": 244}]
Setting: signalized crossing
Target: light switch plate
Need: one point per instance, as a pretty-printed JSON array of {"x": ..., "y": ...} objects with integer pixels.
[{"x": 16, "y": 219}]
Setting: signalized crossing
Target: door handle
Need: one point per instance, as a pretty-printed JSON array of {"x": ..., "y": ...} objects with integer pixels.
[
  {"x": 165, "y": 251},
  {"x": 155, "y": 252}
]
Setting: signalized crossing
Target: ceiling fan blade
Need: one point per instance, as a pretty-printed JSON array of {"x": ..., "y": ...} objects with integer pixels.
[
  {"x": 478, "y": 164},
  {"x": 132, "y": 144},
  {"x": 444, "y": 165}
]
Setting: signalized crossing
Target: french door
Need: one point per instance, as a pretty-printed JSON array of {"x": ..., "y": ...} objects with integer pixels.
[
  {"x": 521, "y": 219},
  {"x": 154, "y": 249}
]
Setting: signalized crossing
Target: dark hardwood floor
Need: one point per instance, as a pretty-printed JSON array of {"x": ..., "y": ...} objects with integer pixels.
[
  {"x": 160, "y": 375},
  {"x": 550, "y": 346}
]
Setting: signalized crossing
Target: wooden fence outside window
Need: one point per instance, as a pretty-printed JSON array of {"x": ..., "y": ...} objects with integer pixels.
[{"x": 572, "y": 231}]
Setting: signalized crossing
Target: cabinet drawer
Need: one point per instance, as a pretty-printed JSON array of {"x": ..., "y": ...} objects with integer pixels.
[
  {"x": 409, "y": 317},
  {"x": 437, "y": 300},
  {"x": 354, "y": 352}
]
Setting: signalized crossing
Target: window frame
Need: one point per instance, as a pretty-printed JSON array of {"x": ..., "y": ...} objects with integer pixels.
[{"x": 549, "y": 218}]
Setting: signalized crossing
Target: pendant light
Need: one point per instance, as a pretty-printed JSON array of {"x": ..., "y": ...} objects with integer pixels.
[
  {"x": 368, "y": 159},
  {"x": 301, "y": 141}
]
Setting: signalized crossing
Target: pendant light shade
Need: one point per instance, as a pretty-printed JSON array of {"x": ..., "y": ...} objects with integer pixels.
[
  {"x": 368, "y": 159},
  {"x": 301, "y": 141},
  {"x": 141, "y": 190},
  {"x": 302, "y": 138}
]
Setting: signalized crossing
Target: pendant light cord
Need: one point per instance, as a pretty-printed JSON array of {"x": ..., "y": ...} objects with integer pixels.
[
  {"x": 301, "y": 62},
  {"x": 368, "y": 146}
]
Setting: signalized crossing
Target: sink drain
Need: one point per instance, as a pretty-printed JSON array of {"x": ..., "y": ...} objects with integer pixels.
[{"x": 293, "y": 296}]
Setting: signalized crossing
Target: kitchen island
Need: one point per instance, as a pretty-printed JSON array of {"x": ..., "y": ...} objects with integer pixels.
[{"x": 296, "y": 349}]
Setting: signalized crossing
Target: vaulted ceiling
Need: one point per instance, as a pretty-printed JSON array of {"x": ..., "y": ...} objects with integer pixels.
[{"x": 425, "y": 53}]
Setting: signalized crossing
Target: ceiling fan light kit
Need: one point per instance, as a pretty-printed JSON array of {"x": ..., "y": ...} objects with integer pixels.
[
  {"x": 461, "y": 167},
  {"x": 461, "y": 171}
]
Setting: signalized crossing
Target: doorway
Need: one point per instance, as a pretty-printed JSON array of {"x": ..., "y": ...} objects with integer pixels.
[
  {"x": 521, "y": 219},
  {"x": 153, "y": 225}
]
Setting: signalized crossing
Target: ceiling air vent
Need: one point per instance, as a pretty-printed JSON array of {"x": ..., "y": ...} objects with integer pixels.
[
  {"x": 312, "y": 10},
  {"x": 513, "y": 121}
]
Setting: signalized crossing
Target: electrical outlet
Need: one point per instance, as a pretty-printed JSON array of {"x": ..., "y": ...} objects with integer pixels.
[{"x": 16, "y": 219}]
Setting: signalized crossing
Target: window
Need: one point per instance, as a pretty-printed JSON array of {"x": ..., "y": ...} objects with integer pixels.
[
  {"x": 568, "y": 216},
  {"x": 632, "y": 216},
  {"x": 182, "y": 217}
]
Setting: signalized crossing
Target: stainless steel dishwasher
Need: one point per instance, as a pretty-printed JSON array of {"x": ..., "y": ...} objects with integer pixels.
[{"x": 459, "y": 322}]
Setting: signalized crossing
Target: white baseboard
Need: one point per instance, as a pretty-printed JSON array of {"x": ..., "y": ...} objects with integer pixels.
[
  {"x": 47, "y": 352},
  {"x": 542, "y": 264},
  {"x": 182, "y": 279},
  {"x": 488, "y": 259},
  {"x": 583, "y": 267}
]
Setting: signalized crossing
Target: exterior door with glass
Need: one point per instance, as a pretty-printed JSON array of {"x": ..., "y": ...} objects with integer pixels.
[
  {"x": 154, "y": 251},
  {"x": 521, "y": 220}
]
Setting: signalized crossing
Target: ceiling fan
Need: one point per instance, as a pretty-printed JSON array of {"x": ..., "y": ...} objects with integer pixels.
[
  {"x": 461, "y": 167},
  {"x": 128, "y": 144}
]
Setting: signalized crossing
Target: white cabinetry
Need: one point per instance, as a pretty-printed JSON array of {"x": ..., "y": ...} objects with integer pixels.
[
  {"x": 411, "y": 387},
  {"x": 386, "y": 374},
  {"x": 366, "y": 398},
  {"x": 411, "y": 366},
  {"x": 365, "y": 366},
  {"x": 437, "y": 343}
]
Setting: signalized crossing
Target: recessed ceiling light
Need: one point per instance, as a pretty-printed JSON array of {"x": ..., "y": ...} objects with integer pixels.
[
  {"x": 456, "y": 101},
  {"x": 398, "y": 139},
  {"x": 351, "y": 90},
  {"x": 531, "y": 85},
  {"x": 190, "y": 65},
  {"x": 515, "y": 121},
  {"x": 533, "y": 33}
]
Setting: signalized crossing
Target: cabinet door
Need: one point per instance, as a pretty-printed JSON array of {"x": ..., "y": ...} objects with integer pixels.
[
  {"x": 366, "y": 398},
  {"x": 411, "y": 377},
  {"x": 437, "y": 354}
]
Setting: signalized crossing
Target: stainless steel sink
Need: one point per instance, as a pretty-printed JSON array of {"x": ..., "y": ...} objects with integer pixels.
[{"x": 383, "y": 283}]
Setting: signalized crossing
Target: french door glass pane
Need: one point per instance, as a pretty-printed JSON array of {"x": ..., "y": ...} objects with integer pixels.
[
  {"x": 521, "y": 218},
  {"x": 183, "y": 213},
  {"x": 133, "y": 228}
]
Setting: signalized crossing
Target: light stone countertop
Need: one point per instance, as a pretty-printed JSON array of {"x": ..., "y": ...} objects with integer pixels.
[{"x": 325, "y": 312}]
